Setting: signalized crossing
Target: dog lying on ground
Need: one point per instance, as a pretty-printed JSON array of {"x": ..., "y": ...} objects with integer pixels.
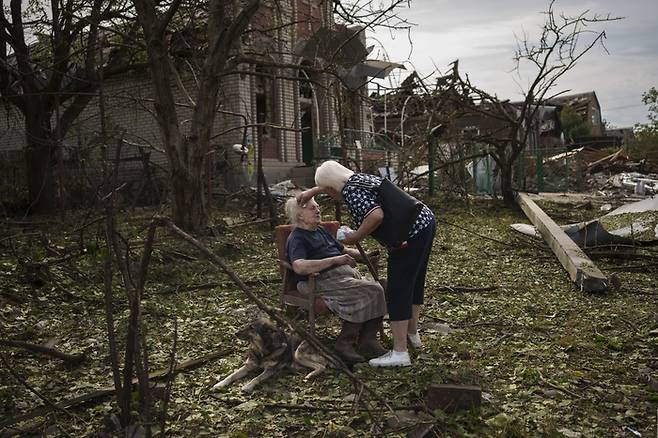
[{"x": 273, "y": 350}]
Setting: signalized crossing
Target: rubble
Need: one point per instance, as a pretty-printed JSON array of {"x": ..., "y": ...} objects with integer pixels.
[{"x": 634, "y": 224}]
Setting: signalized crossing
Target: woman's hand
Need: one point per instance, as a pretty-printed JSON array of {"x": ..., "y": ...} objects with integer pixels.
[
  {"x": 345, "y": 259},
  {"x": 306, "y": 195},
  {"x": 350, "y": 239}
]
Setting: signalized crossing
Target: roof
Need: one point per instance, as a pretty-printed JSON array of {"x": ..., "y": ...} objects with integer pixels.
[{"x": 576, "y": 101}]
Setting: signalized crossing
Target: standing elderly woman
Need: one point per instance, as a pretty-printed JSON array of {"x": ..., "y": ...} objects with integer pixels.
[
  {"x": 407, "y": 258},
  {"x": 358, "y": 302}
]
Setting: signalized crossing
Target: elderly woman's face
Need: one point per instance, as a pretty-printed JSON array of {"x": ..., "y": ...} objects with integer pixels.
[{"x": 310, "y": 214}]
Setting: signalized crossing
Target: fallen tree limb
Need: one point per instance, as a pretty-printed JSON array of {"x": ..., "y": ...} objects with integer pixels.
[
  {"x": 271, "y": 312},
  {"x": 49, "y": 404},
  {"x": 36, "y": 348},
  {"x": 247, "y": 224},
  {"x": 462, "y": 289},
  {"x": 107, "y": 391}
]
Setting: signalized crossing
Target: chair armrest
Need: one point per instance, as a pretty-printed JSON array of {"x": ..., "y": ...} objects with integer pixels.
[
  {"x": 373, "y": 256},
  {"x": 285, "y": 264}
]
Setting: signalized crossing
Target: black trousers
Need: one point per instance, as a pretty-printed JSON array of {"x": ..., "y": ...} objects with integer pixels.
[{"x": 407, "y": 268}]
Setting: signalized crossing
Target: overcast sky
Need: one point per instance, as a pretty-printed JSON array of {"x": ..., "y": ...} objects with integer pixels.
[{"x": 481, "y": 34}]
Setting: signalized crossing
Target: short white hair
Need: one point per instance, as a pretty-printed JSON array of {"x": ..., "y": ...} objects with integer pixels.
[
  {"x": 332, "y": 174},
  {"x": 292, "y": 210}
]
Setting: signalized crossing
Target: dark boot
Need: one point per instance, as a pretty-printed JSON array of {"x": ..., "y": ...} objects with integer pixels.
[
  {"x": 346, "y": 340},
  {"x": 368, "y": 343}
]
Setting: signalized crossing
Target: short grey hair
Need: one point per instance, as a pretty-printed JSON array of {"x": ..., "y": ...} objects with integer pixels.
[
  {"x": 292, "y": 210},
  {"x": 333, "y": 175}
]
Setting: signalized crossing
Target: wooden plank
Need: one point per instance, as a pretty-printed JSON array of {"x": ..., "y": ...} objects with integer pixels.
[
  {"x": 581, "y": 269},
  {"x": 453, "y": 398}
]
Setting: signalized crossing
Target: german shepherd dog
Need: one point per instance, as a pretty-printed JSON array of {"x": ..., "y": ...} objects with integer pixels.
[{"x": 273, "y": 350}]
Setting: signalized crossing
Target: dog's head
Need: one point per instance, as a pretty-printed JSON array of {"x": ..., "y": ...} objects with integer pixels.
[{"x": 258, "y": 329}]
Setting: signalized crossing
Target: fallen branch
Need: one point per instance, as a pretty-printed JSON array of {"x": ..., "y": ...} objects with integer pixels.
[
  {"x": 633, "y": 267},
  {"x": 69, "y": 358},
  {"x": 49, "y": 404},
  {"x": 247, "y": 224},
  {"x": 558, "y": 387},
  {"x": 334, "y": 409},
  {"x": 271, "y": 312},
  {"x": 107, "y": 391},
  {"x": 462, "y": 289}
]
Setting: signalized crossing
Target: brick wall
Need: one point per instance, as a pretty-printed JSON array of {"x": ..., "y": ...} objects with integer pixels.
[{"x": 130, "y": 114}]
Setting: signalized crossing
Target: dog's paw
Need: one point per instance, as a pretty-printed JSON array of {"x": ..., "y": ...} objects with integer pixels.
[
  {"x": 220, "y": 385},
  {"x": 247, "y": 388}
]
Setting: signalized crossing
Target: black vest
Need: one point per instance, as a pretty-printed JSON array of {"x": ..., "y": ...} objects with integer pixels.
[{"x": 400, "y": 212}]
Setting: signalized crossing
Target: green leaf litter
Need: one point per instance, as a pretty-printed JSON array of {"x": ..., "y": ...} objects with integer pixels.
[{"x": 551, "y": 360}]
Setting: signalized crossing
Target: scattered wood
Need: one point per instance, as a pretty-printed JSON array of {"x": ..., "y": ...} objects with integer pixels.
[
  {"x": 42, "y": 349},
  {"x": 453, "y": 398},
  {"x": 107, "y": 391},
  {"x": 581, "y": 269}
]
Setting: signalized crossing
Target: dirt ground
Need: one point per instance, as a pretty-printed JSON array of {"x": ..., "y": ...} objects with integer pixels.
[{"x": 500, "y": 313}]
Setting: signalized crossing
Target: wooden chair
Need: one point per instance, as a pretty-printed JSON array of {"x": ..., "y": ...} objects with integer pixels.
[{"x": 290, "y": 295}]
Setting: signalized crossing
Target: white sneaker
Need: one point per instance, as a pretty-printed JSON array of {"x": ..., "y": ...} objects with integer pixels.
[
  {"x": 391, "y": 359},
  {"x": 414, "y": 340}
]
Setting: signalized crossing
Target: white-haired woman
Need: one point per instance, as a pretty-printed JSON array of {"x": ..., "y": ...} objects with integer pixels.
[
  {"x": 358, "y": 302},
  {"x": 408, "y": 256}
]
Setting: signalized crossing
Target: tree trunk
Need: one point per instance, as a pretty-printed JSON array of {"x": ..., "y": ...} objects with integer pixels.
[
  {"x": 506, "y": 183},
  {"x": 40, "y": 157},
  {"x": 187, "y": 180}
]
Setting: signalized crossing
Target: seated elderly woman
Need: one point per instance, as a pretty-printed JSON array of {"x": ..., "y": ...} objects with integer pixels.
[{"x": 358, "y": 302}]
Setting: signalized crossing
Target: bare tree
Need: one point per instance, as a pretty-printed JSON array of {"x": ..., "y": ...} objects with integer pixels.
[
  {"x": 504, "y": 127},
  {"x": 50, "y": 69},
  {"x": 563, "y": 41}
]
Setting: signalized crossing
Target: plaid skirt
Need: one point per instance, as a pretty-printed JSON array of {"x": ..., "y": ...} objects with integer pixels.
[{"x": 349, "y": 295}]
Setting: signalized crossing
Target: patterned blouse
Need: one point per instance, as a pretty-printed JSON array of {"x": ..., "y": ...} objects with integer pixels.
[{"x": 360, "y": 196}]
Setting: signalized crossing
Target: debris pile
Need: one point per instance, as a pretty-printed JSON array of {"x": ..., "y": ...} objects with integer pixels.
[
  {"x": 633, "y": 224},
  {"x": 617, "y": 173}
]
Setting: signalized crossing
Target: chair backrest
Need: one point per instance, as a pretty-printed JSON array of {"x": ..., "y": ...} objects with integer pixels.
[{"x": 281, "y": 233}]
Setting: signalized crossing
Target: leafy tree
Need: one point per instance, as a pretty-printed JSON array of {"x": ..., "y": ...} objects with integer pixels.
[
  {"x": 573, "y": 124},
  {"x": 646, "y": 134}
]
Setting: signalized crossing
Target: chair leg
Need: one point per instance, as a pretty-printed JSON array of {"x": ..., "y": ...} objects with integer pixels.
[{"x": 311, "y": 305}]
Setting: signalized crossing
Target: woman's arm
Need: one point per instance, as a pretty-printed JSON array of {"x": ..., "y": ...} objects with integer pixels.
[
  {"x": 306, "y": 195},
  {"x": 306, "y": 267},
  {"x": 369, "y": 224}
]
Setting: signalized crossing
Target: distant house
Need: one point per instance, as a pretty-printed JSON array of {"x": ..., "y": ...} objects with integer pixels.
[{"x": 624, "y": 136}]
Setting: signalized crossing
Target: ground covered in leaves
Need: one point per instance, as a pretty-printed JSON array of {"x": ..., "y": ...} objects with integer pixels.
[{"x": 500, "y": 313}]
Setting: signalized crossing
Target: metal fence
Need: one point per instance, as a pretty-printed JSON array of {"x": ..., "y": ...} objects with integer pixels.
[
  {"x": 543, "y": 170},
  {"x": 550, "y": 170},
  {"x": 366, "y": 151}
]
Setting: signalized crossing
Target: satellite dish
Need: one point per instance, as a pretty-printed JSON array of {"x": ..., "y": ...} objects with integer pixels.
[{"x": 240, "y": 149}]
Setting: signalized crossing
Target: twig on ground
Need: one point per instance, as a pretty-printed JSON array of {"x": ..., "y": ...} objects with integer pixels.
[
  {"x": 558, "y": 387},
  {"x": 104, "y": 392},
  {"x": 23, "y": 382},
  {"x": 170, "y": 380},
  {"x": 464, "y": 289},
  {"x": 69, "y": 358}
]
